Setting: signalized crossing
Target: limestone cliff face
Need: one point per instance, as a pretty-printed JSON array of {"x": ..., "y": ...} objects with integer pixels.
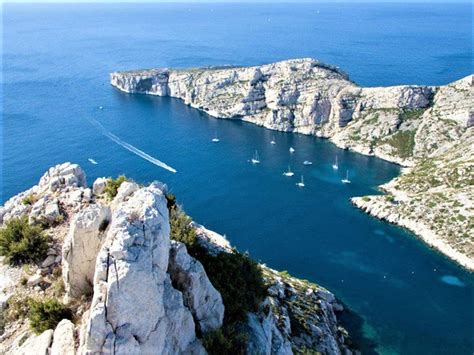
[
  {"x": 396, "y": 123},
  {"x": 135, "y": 291}
]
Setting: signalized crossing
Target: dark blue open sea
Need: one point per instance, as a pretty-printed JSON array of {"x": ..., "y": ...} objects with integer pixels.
[{"x": 405, "y": 298}]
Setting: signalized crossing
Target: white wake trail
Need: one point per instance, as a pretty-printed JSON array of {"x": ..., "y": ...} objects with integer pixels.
[{"x": 131, "y": 148}]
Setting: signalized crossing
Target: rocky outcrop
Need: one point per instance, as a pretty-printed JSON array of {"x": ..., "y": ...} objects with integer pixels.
[
  {"x": 64, "y": 339},
  {"x": 80, "y": 249},
  {"x": 135, "y": 309},
  {"x": 200, "y": 296},
  {"x": 148, "y": 294},
  {"x": 402, "y": 124}
]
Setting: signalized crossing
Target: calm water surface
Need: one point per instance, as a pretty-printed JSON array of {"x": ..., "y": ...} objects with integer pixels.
[{"x": 406, "y": 298}]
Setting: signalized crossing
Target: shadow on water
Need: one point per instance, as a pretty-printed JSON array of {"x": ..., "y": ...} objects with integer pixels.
[{"x": 354, "y": 324}]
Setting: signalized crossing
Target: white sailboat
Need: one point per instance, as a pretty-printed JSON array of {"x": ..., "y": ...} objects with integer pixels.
[
  {"x": 346, "y": 180},
  {"x": 289, "y": 172},
  {"x": 292, "y": 149},
  {"x": 215, "y": 139},
  {"x": 335, "y": 166},
  {"x": 273, "y": 141},
  {"x": 256, "y": 158},
  {"x": 101, "y": 107},
  {"x": 307, "y": 162},
  {"x": 301, "y": 183},
  {"x": 92, "y": 161}
]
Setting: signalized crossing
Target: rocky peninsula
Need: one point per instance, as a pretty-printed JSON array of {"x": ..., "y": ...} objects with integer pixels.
[
  {"x": 427, "y": 129},
  {"x": 119, "y": 268}
]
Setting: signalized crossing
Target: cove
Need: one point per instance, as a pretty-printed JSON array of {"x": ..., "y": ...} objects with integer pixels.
[{"x": 392, "y": 282}]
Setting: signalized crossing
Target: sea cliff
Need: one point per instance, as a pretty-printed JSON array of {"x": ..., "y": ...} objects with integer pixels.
[
  {"x": 122, "y": 270},
  {"x": 410, "y": 125}
]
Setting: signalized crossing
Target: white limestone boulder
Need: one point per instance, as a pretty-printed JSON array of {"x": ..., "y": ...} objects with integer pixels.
[
  {"x": 81, "y": 247},
  {"x": 189, "y": 276}
]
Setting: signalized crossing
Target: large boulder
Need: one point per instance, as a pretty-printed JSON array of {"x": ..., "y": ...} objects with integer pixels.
[
  {"x": 81, "y": 247},
  {"x": 35, "y": 344},
  {"x": 189, "y": 276},
  {"x": 135, "y": 309},
  {"x": 63, "y": 339}
]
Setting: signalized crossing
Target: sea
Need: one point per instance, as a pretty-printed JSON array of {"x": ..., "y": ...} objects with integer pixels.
[{"x": 401, "y": 296}]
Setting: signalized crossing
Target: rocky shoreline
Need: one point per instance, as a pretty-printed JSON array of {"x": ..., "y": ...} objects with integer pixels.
[
  {"x": 408, "y": 125},
  {"x": 129, "y": 288}
]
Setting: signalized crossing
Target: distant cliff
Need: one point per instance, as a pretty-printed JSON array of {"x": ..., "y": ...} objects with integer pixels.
[
  {"x": 102, "y": 274},
  {"x": 404, "y": 124}
]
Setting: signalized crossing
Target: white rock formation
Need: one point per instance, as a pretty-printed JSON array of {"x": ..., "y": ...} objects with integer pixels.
[
  {"x": 135, "y": 309},
  {"x": 63, "y": 339},
  {"x": 189, "y": 276},
  {"x": 80, "y": 249},
  {"x": 98, "y": 187},
  {"x": 36, "y": 344}
]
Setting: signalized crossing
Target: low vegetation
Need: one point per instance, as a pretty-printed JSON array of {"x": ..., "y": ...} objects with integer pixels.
[
  {"x": 46, "y": 314},
  {"x": 22, "y": 243},
  {"x": 113, "y": 185},
  {"x": 403, "y": 142},
  {"x": 238, "y": 279}
]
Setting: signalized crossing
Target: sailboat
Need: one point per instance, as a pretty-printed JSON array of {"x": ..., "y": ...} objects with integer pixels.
[
  {"x": 301, "y": 183},
  {"x": 215, "y": 139},
  {"x": 292, "y": 149},
  {"x": 346, "y": 180},
  {"x": 92, "y": 161},
  {"x": 307, "y": 162},
  {"x": 101, "y": 107},
  {"x": 273, "y": 141},
  {"x": 289, "y": 172},
  {"x": 256, "y": 158},
  {"x": 335, "y": 166}
]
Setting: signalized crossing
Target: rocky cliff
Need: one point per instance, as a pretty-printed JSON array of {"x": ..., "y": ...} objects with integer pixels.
[
  {"x": 130, "y": 289},
  {"x": 403, "y": 124}
]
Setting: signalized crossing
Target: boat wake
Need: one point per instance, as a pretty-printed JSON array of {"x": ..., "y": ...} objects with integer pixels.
[{"x": 131, "y": 148}]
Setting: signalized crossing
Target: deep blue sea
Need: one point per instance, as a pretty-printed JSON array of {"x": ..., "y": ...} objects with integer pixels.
[{"x": 404, "y": 297}]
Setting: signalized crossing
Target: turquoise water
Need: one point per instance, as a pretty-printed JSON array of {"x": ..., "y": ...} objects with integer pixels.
[{"x": 405, "y": 298}]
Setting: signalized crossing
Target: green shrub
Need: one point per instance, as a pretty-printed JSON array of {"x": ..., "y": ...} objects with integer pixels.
[
  {"x": 239, "y": 280},
  {"x": 46, "y": 314},
  {"x": 22, "y": 243},
  {"x": 18, "y": 307},
  {"x": 112, "y": 186},
  {"x": 181, "y": 228},
  {"x": 30, "y": 199},
  {"x": 225, "y": 341},
  {"x": 366, "y": 198}
]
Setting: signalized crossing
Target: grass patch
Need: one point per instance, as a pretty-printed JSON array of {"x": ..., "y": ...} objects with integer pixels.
[
  {"x": 112, "y": 186},
  {"x": 403, "y": 142},
  {"x": 47, "y": 314},
  {"x": 22, "y": 243}
]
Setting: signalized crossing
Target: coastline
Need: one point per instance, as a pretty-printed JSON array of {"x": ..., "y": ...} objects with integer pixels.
[{"x": 405, "y": 125}]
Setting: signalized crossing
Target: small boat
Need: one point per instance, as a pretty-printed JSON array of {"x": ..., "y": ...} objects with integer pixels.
[
  {"x": 335, "y": 166},
  {"x": 289, "y": 172},
  {"x": 215, "y": 139},
  {"x": 256, "y": 158},
  {"x": 101, "y": 107},
  {"x": 273, "y": 142},
  {"x": 301, "y": 183},
  {"x": 346, "y": 180},
  {"x": 292, "y": 149},
  {"x": 92, "y": 161},
  {"x": 307, "y": 162}
]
